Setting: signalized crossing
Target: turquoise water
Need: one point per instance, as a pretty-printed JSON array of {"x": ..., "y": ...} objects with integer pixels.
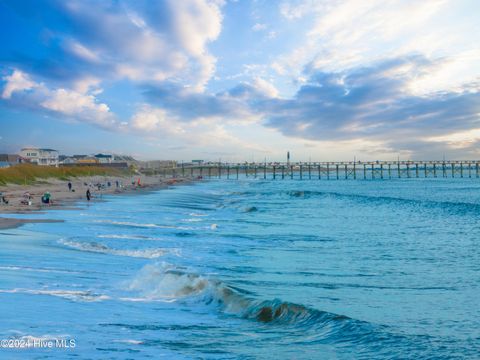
[{"x": 252, "y": 269}]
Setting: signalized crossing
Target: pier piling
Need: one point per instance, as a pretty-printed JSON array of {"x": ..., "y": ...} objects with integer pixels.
[{"x": 340, "y": 170}]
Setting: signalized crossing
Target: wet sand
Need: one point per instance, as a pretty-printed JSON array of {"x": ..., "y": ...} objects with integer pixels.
[
  {"x": 6, "y": 223},
  {"x": 62, "y": 198}
]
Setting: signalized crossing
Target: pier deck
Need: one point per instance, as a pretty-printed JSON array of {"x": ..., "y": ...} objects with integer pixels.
[{"x": 331, "y": 170}]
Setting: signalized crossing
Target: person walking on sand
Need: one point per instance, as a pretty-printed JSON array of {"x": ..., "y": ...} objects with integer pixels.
[
  {"x": 88, "y": 195},
  {"x": 3, "y": 199},
  {"x": 69, "y": 186}
]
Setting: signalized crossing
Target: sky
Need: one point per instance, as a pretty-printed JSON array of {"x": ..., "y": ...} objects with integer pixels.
[{"x": 327, "y": 80}]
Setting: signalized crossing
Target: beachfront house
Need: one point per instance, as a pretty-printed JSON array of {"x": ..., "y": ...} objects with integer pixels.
[
  {"x": 68, "y": 160},
  {"x": 88, "y": 160},
  {"x": 104, "y": 159},
  {"x": 39, "y": 156},
  {"x": 7, "y": 160}
]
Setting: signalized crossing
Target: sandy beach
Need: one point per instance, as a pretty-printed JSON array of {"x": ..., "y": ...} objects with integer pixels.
[{"x": 62, "y": 197}]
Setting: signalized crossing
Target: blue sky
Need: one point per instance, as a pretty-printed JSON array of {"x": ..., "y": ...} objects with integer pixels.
[{"x": 242, "y": 80}]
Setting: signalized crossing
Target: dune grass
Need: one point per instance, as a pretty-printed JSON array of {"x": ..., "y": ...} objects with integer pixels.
[{"x": 26, "y": 174}]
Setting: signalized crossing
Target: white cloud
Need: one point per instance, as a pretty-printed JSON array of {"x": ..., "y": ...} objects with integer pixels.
[
  {"x": 272, "y": 34},
  {"x": 211, "y": 133},
  {"x": 16, "y": 82},
  {"x": 353, "y": 33},
  {"x": 77, "y": 105},
  {"x": 293, "y": 10},
  {"x": 142, "y": 41},
  {"x": 278, "y": 68},
  {"x": 259, "y": 27},
  {"x": 196, "y": 22},
  {"x": 458, "y": 140},
  {"x": 82, "y": 51},
  {"x": 150, "y": 119},
  {"x": 20, "y": 89},
  {"x": 450, "y": 74},
  {"x": 87, "y": 84},
  {"x": 265, "y": 87}
]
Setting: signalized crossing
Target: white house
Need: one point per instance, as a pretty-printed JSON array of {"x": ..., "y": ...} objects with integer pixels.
[
  {"x": 104, "y": 159},
  {"x": 69, "y": 160},
  {"x": 47, "y": 157}
]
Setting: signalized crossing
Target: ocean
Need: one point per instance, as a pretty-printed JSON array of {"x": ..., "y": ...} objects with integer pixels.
[{"x": 250, "y": 269}]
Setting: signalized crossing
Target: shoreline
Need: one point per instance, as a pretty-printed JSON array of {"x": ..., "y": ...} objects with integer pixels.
[{"x": 63, "y": 198}]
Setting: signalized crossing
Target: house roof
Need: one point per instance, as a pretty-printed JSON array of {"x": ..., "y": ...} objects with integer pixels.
[
  {"x": 38, "y": 149},
  {"x": 103, "y": 156}
]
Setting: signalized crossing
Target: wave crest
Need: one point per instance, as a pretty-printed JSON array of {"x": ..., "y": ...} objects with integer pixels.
[
  {"x": 164, "y": 281},
  {"x": 103, "y": 249},
  {"x": 74, "y": 295}
]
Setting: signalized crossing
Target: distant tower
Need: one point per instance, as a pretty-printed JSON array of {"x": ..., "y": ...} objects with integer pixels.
[{"x": 288, "y": 163}]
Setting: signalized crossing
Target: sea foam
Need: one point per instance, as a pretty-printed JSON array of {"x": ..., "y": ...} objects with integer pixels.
[{"x": 103, "y": 249}]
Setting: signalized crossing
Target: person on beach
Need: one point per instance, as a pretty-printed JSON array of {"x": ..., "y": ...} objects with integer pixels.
[
  {"x": 27, "y": 199},
  {"x": 88, "y": 195},
  {"x": 3, "y": 199},
  {"x": 69, "y": 186},
  {"x": 46, "y": 198}
]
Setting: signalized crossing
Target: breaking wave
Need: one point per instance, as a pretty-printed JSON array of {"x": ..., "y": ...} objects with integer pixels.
[
  {"x": 103, "y": 249},
  {"x": 447, "y": 206},
  {"x": 74, "y": 295},
  {"x": 153, "y": 226},
  {"x": 167, "y": 282},
  {"x": 33, "y": 269},
  {"x": 127, "y": 223},
  {"x": 140, "y": 225},
  {"x": 126, "y": 236}
]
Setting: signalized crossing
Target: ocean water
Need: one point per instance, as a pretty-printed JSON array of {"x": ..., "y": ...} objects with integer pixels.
[{"x": 252, "y": 269}]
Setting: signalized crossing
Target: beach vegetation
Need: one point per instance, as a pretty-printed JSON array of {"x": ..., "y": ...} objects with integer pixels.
[{"x": 27, "y": 174}]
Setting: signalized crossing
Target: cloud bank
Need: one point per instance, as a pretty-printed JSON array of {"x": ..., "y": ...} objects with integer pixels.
[
  {"x": 379, "y": 77},
  {"x": 137, "y": 40}
]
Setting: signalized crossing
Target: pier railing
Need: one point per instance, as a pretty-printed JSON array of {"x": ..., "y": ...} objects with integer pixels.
[{"x": 330, "y": 170}]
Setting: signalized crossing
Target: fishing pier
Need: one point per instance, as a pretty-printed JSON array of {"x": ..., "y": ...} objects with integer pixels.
[{"x": 354, "y": 170}]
